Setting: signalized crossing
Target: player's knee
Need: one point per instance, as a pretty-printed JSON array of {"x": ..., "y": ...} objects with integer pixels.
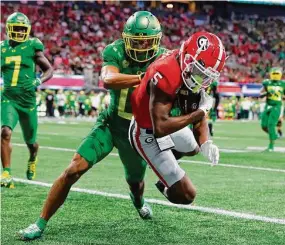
[
  {"x": 265, "y": 129},
  {"x": 194, "y": 152},
  {"x": 189, "y": 196},
  {"x": 77, "y": 167},
  {"x": 6, "y": 133}
]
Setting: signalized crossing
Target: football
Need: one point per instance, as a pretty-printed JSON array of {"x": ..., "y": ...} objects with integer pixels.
[{"x": 187, "y": 100}]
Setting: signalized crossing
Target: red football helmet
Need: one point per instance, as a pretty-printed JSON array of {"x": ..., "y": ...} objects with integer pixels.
[{"x": 202, "y": 57}]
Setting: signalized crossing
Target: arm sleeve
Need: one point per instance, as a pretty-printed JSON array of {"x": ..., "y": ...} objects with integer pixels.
[
  {"x": 110, "y": 57},
  {"x": 38, "y": 45}
]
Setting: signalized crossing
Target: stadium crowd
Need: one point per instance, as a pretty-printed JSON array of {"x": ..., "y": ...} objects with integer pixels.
[{"x": 77, "y": 33}]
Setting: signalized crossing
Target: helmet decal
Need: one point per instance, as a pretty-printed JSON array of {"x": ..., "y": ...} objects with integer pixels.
[{"x": 203, "y": 43}]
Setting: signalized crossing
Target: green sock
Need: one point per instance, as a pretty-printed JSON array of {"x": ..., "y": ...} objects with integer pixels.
[
  {"x": 41, "y": 223},
  {"x": 136, "y": 203},
  {"x": 7, "y": 169},
  {"x": 271, "y": 145}
]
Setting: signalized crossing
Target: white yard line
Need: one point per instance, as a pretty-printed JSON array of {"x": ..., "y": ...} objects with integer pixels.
[
  {"x": 258, "y": 148},
  {"x": 166, "y": 203},
  {"x": 184, "y": 161}
]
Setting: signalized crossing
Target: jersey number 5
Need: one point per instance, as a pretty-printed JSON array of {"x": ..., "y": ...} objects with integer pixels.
[
  {"x": 17, "y": 61},
  {"x": 155, "y": 78}
]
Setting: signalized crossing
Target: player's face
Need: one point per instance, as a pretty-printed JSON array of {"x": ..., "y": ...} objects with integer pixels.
[
  {"x": 19, "y": 31},
  {"x": 196, "y": 76},
  {"x": 142, "y": 44},
  {"x": 196, "y": 79}
]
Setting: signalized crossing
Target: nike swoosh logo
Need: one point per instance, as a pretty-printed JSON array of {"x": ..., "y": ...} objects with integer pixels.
[{"x": 23, "y": 47}]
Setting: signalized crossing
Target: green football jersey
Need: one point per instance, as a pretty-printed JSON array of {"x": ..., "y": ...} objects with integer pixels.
[
  {"x": 18, "y": 71},
  {"x": 120, "y": 109},
  {"x": 275, "y": 91}
]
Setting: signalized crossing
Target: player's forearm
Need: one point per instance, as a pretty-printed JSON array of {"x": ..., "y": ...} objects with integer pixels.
[
  {"x": 200, "y": 131},
  {"x": 120, "y": 81},
  {"x": 47, "y": 75},
  {"x": 168, "y": 125}
]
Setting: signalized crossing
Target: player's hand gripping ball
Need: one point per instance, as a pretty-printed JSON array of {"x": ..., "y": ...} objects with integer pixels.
[{"x": 187, "y": 100}]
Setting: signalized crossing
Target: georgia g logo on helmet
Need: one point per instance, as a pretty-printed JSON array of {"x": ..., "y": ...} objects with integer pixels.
[{"x": 203, "y": 43}]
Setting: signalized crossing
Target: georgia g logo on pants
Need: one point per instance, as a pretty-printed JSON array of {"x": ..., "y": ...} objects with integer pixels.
[{"x": 148, "y": 140}]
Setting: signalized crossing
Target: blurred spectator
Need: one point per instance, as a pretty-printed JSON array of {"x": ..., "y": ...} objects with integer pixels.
[
  {"x": 77, "y": 33},
  {"x": 61, "y": 102},
  {"x": 50, "y": 103}
]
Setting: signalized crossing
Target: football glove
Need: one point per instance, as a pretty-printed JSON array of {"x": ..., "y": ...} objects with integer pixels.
[
  {"x": 206, "y": 102},
  {"x": 37, "y": 82},
  {"x": 210, "y": 151}
]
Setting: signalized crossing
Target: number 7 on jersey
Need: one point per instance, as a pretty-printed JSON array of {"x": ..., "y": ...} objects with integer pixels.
[{"x": 17, "y": 60}]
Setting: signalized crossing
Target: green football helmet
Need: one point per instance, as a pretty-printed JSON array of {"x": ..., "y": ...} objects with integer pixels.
[
  {"x": 275, "y": 73},
  {"x": 18, "y": 27},
  {"x": 142, "y": 34}
]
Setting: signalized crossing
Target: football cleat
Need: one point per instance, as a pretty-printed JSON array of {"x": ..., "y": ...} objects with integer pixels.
[
  {"x": 32, "y": 232},
  {"x": 145, "y": 212},
  {"x": 31, "y": 170},
  {"x": 7, "y": 180}
]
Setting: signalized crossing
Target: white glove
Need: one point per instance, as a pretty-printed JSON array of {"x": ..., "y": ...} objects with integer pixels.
[
  {"x": 210, "y": 151},
  {"x": 206, "y": 102}
]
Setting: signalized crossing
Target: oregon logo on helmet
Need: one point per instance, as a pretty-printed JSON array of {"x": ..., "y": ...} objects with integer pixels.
[
  {"x": 142, "y": 34},
  {"x": 18, "y": 27},
  {"x": 203, "y": 43}
]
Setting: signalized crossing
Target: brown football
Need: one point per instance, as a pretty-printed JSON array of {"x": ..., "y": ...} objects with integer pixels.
[{"x": 187, "y": 100}]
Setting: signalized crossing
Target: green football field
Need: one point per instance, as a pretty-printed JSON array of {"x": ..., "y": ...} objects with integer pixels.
[{"x": 240, "y": 201}]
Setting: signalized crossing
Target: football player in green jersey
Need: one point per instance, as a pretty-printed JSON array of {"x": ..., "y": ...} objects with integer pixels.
[
  {"x": 19, "y": 56},
  {"x": 124, "y": 62},
  {"x": 273, "y": 89}
]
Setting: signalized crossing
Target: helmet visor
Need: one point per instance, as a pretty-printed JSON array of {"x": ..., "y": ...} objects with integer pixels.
[
  {"x": 196, "y": 76},
  {"x": 18, "y": 32},
  {"x": 142, "y": 48}
]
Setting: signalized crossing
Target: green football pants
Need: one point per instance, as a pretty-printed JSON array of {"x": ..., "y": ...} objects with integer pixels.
[
  {"x": 100, "y": 142},
  {"x": 11, "y": 113},
  {"x": 270, "y": 119}
]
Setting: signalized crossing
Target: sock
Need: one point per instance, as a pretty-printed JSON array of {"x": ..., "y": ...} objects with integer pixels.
[
  {"x": 32, "y": 158},
  {"x": 138, "y": 204},
  {"x": 271, "y": 144},
  {"x": 7, "y": 169},
  {"x": 41, "y": 223}
]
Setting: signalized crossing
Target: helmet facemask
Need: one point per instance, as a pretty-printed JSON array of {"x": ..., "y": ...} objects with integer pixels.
[
  {"x": 18, "y": 32},
  {"x": 275, "y": 74},
  {"x": 141, "y": 48},
  {"x": 195, "y": 75}
]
